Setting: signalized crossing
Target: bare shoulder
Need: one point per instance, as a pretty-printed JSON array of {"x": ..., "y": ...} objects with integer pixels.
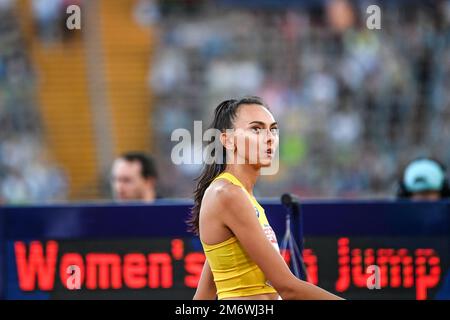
[
  {"x": 223, "y": 193},
  {"x": 213, "y": 228},
  {"x": 226, "y": 198}
]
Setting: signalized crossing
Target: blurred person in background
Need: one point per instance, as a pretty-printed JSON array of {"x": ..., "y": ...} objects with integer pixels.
[
  {"x": 47, "y": 14},
  {"x": 424, "y": 179},
  {"x": 133, "y": 177}
]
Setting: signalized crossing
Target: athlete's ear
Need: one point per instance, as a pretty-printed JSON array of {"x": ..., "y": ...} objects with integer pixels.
[{"x": 227, "y": 139}]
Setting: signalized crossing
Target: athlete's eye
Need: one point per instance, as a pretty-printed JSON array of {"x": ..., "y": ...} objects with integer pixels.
[
  {"x": 274, "y": 130},
  {"x": 256, "y": 129}
]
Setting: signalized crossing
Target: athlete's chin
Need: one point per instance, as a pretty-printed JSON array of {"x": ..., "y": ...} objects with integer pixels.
[{"x": 265, "y": 162}]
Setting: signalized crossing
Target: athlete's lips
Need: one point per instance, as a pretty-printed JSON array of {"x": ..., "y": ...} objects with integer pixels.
[{"x": 270, "y": 151}]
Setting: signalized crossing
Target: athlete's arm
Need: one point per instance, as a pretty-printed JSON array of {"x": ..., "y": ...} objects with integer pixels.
[
  {"x": 238, "y": 214},
  {"x": 206, "y": 289}
]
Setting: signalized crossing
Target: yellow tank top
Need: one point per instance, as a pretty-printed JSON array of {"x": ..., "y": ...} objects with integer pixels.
[{"x": 235, "y": 274}]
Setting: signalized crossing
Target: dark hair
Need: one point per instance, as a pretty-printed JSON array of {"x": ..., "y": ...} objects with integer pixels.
[
  {"x": 404, "y": 193},
  {"x": 148, "y": 167},
  {"x": 224, "y": 116}
]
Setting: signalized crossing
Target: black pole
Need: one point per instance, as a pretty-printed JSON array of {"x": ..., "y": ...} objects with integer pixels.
[{"x": 293, "y": 207}]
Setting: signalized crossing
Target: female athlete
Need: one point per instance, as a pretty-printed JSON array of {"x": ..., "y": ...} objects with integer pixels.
[{"x": 242, "y": 255}]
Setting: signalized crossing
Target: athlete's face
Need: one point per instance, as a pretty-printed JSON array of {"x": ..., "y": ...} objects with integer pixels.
[
  {"x": 127, "y": 182},
  {"x": 255, "y": 136}
]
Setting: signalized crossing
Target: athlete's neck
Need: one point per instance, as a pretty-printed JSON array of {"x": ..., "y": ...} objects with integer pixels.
[{"x": 246, "y": 174}]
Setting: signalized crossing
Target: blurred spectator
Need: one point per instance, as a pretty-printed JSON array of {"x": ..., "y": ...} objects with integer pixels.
[
  {"x": 26, "y": 176},
  {"x": 424, "y": 179},
  {"x": 146, "y": 12},
  {"x": 133, "y": 178},
  {"x": 47, "y": 14},
  {"x": 6, "y": 5}
]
